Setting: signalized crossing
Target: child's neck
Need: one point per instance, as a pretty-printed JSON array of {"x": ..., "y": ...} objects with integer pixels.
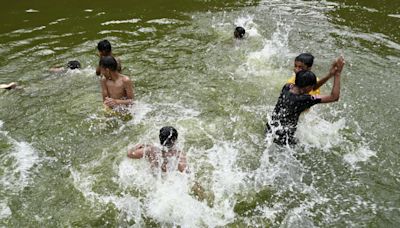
[
  {"x": 114, "y": 76},
  {"x": 296, "y": 90}
]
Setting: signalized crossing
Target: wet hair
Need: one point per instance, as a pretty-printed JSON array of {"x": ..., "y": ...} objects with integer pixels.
[
  {"x": 104, "y": 46},
  {"x": 239, "y": 32},
  {"x": 305, "y": 78},
  {"x": 73, "y": 64},
  {"x": 305, "y": 58},
  {"x": 168, "y": 136},
  {"x": 108, "y": 62}
]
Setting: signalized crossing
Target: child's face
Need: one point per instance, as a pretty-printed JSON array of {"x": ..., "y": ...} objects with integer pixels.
[
  {"x": 105, "y": 72},
  {"x": 299, "y": 66}
]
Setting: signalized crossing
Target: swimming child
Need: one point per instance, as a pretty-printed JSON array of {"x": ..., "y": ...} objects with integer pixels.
[
  {"x": 72, "y": 65},
  {"x": 295, "y": 98},
  {"x": 9, "y": 86},
  {"x": 104, "y": 48},
  {"x": 170, "y": 157},
  {"x": 117, "y": 89},
  {"x": 239, "y": 32}
]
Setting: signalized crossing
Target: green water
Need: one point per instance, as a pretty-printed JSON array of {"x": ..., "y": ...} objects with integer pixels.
[{"x": 64, "y": 164}]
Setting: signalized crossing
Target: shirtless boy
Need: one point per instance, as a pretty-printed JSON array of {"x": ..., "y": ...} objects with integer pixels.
[
  {"x": 117, "y": 89},
  {"x": 168, "y": 156},
  {"x": 104, "y": 48}
]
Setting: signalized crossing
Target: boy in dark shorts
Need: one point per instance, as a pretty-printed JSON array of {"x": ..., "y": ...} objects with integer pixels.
[{"x": 294, "y": 99}]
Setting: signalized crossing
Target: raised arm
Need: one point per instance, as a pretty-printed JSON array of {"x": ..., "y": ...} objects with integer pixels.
[
  {"x": 328, "y": 76},
  {"x": 335, "y": 93}
]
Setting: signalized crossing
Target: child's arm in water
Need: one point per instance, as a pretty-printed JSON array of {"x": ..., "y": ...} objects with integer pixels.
[
  {"x": 136, "y": 152},
  {"x": 182, "y": 165},
  {"x": 330, "y": 74},
  {"x": 335, "y": 93}
]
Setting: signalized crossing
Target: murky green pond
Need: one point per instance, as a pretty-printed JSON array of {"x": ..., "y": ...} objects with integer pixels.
[{"x": 64, "y": 164}]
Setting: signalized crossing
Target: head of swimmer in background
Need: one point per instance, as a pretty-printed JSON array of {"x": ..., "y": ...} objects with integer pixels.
[
  {"x": 108, "y": 66},
  {"x": 239, "y": 32},
  {"x": 168, "y": 136},
  {"x": 73, "y": 65},
  {"x": 304, "y": 61},
  {"x": 305, "y": 81},
  {"x": 104, "y": 48}
]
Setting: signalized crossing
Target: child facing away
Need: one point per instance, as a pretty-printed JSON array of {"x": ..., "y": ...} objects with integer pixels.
[
  {"x": 168, "y": 155},
  {"x": 117, "y": 89},
  {"x": 295, "y": 98},
  {"x": 104, "y": 49}
]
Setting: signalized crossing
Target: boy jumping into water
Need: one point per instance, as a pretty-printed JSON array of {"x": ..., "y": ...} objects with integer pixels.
[
  {"x": 294, "y": 99},
  {"x": 117, "y": 89},
  {"x": 104, "y": 48},
  {"x": 168, "y": 156}
]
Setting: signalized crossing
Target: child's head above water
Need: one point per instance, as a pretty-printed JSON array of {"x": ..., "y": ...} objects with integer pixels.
[
  {"x": 73, "y": 65},
  {"x": 239, "y": 32},
  {"x": 104, "y": 48},
  {"x": 108, "y": 62},
  {"x": 168, "y": 136},
  {"x": 305, "y": 80},
  {"x": 304, "y": 61}
]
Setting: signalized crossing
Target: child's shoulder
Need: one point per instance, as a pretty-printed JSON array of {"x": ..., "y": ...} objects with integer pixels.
[{"x": 125, "y": 78}]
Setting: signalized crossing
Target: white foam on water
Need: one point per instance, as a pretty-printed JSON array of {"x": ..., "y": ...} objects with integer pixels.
[
  {"x": 171, "y": 204},
  {"x": 139, "y": 111},
  {"x": 57, "y": 21},
  {"x": 31, "y": 11},
  {"x": 88, "y": 10},
  {"x": 147, "y": 30},
  {"x": 271, "y": 57},
  {"x": 135, "y": 173},
  {"x": 29, "y": 30},
  {"x": 118, "y": 31},
  {"x": 394, "y": 15},
  {"x": 227, "y": 178},
  {"x": 44, "y": 52},
  {"x": 22, "y": 158},
  {"x": 361, "y": 154},
  {"x": 5, "y": 211},
  {"x": 130, "y": 21},
  {"x": 248, "y": 24},
  {"x": 314, "y": 131},
  {"x": 164, "y": 21}
]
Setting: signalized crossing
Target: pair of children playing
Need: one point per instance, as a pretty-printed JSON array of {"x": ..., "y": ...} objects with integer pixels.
[{"x": 299, "y": 94}]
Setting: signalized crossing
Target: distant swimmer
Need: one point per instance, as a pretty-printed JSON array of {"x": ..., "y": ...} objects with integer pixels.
[
  {"x": 104, "y": 48},
  {"x": 72, "y": 65},
  {"x": 239, "y": 32},
  {"x": 9, "y": 86},
  {"x": 294, "y": 99},
  {"x": 117, "y": 89},
  {"x": 168, "y": 157}
]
